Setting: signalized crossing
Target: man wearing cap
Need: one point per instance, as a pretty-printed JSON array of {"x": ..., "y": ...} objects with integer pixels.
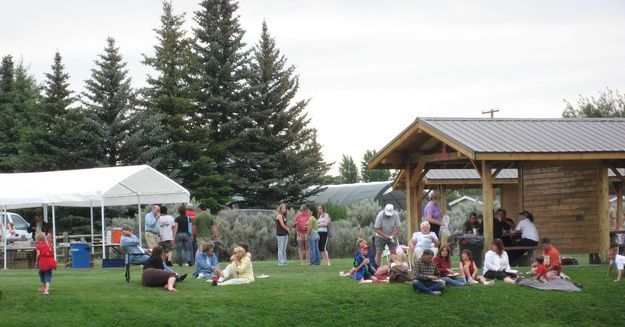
[
  {"x": 387, "y": 225},
  {"x": 152, "y": 228}
]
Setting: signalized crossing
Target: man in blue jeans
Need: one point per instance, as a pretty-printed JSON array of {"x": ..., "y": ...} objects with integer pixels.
[{"x": 426, "y": 275}]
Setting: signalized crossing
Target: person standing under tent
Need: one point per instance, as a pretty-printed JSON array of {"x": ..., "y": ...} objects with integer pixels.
[
  {"x": 182, "y": 232},
  {"x": 152, "y": 228},
  {"x": 166, "y": 223},
  {"x": 39, "y": 226}
]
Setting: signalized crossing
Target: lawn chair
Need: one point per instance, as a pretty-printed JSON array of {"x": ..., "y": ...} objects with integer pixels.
[{"x": 127, "y": 263}]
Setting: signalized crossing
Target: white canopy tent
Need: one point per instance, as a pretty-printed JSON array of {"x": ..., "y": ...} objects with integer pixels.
[{"x": 97, "y": 187}]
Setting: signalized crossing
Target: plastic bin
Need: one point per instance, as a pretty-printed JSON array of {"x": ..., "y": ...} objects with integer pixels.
[
  {"x": 475, "y": 244},
  {"x": 81, "y": 256}
]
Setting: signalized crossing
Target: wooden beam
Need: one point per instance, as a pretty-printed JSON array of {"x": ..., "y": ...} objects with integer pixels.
[
  {"x": 550, "y": 156},
  {"x": 478, "y": 168},
  {"x": 419, "y": 206},
  {"x": 496, "y": 172},
  {"x": 411, "y": 131},
  {"x": 618, "y": 186},
  {"x": 487, "y": 196},
  {"x": 469, "y": 182},
  {"x": 604, "y": 219},
  {"x": 436, "y": 157},
  {"x": 443, "y": 205},
  {"x": 444, "y": 139},
  {"x": 410, "y": 201},
  {"x": 418, "y": 173}
]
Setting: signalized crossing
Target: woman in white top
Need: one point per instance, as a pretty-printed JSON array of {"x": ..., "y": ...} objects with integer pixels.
[
  {"x": 425, "y": 239},
  {"x": 497, "y": 265},
  {"x": 324, "y": 223},
  {"x": 529, "y": 234}
]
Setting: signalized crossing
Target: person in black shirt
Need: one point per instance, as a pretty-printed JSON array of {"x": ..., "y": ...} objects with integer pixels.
[
  {"x": 472, "y": 226},
  {"x": 39, "y": 226},
  {"x": 182, "y": 236},
  {"x": 154, "y": 274}
]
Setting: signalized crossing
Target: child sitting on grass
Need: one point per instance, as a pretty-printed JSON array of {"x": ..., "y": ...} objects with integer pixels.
[
  {"x": 618, "y": 260},
  {"x": 539, "y": 270},
  {"x": 363, "y": 270},
  {"x": 468, "y": 270}
]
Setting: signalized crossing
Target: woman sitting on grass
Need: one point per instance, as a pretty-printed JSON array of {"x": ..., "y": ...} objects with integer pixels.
[
  {"x": 497, "y": 265},
  {"x": 206, "y": 262},
  {"x": 239, "y": 271},
  {"x": 443, "y": 263},
  {"x": 468, "y": 270},
  {"x": 154, "y": 274}
]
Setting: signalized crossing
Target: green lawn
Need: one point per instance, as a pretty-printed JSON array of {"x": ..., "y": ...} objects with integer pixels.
[{"x": 296, "y": 295}]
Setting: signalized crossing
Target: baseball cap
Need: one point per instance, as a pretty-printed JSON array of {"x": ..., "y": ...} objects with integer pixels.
[
  {"x": 364, "y": 246},
  {"x": 389, "y": 209}
]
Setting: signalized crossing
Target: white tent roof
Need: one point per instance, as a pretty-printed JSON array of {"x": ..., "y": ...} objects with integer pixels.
[{"x": 88, "y": 187}]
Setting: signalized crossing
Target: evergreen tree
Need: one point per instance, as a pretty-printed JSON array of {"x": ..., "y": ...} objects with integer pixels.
[
  {"x": 609, "y": 104},
  {"x": 372, "y": 175},
  {"x": 8, "y": 141},
  {"x": 220, "y": 69},
  {"x": 279, "y": 157},
  {"x": 169, "y": 95},
  {"x": 348, "y": 172},
  {"x": 27, "y": 112},
  {"x": 124, "y": 132}
]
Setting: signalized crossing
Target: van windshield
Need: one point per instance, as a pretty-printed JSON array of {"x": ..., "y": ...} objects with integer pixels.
[{"x": 18, "y": 221}]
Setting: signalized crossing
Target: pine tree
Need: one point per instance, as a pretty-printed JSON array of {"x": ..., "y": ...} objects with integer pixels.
[
  {"x": 372, "y": 175},
  {"x": 8, "y": 141},
  {"x": 348, "y": 172},
  {"x": 279, "y": 158},
  {"x": 27, "y": 113},
  {"x": 124, "y": 131},
  {"x": 220, "y": 68},
  {"x": 169, "y": 94}
]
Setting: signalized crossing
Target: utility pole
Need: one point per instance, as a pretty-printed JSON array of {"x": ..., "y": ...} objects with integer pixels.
[{"x": 491, "y": 112}]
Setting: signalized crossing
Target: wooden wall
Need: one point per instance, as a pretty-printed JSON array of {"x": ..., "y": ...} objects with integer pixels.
[
  {"x": 510, "y": 199},
  {"x": 565, "y": 199}
]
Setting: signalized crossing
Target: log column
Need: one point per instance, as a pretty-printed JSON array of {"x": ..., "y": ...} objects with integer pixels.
[
  {"x": 604, "y": 216},
  {"x": 487, "y": 196}
]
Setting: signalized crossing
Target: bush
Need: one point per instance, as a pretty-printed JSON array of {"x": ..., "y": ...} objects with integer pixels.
[{"x": 336, "y": 211}]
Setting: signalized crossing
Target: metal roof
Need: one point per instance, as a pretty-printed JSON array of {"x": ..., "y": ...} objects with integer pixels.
[{"x": 496, "y": 135}]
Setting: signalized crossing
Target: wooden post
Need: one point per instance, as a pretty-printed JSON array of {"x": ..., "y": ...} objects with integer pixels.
[
  {"x": 487, "y": 195},
  {"x": 619, "y": 204},
  {"x": 443, "y": 204},
  {"x": 419, "y": 206},
  {"x": 604, "y": 219},
  {"x": 410, "y": 203}
]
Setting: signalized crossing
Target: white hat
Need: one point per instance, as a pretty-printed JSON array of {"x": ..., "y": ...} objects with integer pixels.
[{"x": 389, "y": 209}]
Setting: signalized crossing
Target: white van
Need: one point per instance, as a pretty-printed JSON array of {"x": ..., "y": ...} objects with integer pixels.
[{"x": 19, "y": 225}]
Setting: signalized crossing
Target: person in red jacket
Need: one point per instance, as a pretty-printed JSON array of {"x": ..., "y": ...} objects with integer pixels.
[{"x": 45, "y": 261}]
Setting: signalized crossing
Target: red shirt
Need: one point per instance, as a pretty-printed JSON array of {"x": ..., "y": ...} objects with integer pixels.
[
  {"x": 554, "y": 259},
  {"x": 301, "y": 221},
  {"x": 471, "y": 267},
  {"x": 541, "y": 270},
  {"x": 46, "y": 256},
  {"x": 444, "y": 266}
]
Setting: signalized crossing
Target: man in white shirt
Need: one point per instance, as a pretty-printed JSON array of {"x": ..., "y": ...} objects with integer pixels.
[
  {"x": 619, "y": 261},
  {"x": 166, "y": 223}
]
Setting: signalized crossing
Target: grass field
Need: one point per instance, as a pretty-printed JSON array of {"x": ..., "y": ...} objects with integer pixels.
[{"x": 300, "y": 295}]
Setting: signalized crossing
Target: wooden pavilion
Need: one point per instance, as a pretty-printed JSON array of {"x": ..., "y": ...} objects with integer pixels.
[{"x": 562, "y": 170}]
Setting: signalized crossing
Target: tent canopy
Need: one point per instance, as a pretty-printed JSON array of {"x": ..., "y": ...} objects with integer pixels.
[{"x": 110, "y": 186}]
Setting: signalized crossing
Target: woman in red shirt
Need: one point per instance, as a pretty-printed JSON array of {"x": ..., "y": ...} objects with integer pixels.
[
  {"x": 45, "y": 261},
  {"x": 301, "y": 225},
  {"x": 443, "y": 263}
]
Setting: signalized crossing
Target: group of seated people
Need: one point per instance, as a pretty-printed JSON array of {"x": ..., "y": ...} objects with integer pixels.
[
  {"x": 432, "y": 269},
  {"x": 157, "y": 274}
]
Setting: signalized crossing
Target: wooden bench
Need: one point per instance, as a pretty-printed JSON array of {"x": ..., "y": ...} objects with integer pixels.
[{"x": 527, "y": 258}]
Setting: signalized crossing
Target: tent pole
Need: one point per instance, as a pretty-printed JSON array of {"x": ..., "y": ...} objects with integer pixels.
[
  {"x": 103, "y": 234},
  {"x": 45, "y": 212},
  {"x": 54, "y": 230},
  {"x": 4, "y": 236},
  {"x": 139, "y": 218},
  {"x": 92, "y": 236}
]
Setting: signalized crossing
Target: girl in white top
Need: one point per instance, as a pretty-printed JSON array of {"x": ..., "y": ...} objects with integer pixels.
[
  {"x": 324, "y": 223},
  {"x": 425, "y": 239},
  {"x": 529, "y": 233},
  {"x": 497, "y": 265}
]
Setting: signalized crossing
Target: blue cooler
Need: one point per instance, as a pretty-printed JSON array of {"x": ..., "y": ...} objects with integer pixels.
[{"x": 81, "y": 256}]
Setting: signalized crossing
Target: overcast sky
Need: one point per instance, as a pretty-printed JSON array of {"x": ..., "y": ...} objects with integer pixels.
[{"x": 370, "y": 67}]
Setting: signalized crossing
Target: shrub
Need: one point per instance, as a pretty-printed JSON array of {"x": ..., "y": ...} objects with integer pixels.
[{"x": 336, "y": 211}]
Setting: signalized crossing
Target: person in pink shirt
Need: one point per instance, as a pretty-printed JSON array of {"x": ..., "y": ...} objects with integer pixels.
[{"x": 301, "y": 225}]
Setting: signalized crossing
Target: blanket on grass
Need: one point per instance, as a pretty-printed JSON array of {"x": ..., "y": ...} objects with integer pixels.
[{"x": 552, "y": 285}]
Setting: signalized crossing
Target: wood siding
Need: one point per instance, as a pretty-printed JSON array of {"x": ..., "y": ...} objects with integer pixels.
[
  {"x": 565, "y": 198},
  {"x": 510, "y": 199}
]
